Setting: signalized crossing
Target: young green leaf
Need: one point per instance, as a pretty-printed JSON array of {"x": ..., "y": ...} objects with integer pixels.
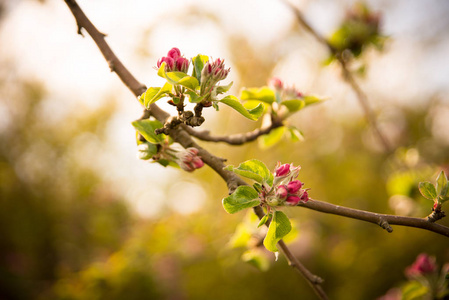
[
  {"x": 295, "y": 134},
  {"x": 442, "y": 184},
  {"x": 198, "y": 63},
  {"x": 427, "y": 190},
  {"x": 257, "y": 259},
  {"x": 243, "y": 197},
  {"x": 154, "y": 94},
  {"x": 263, "y": 221},
  {"x": 252, "y": 114},
  {"x": 279, "y": 227},
  {"x": 263, "y": 94},
  {"x": 309, "y": 100},
  {"x": 272, "y": 138},
  {"x": 253, "y": 169},
  {"x": 147, "y": 128},
  {"x": 178, "y": 78},
  {"x": 294, "y": 105},
  {"x": 224, "y": 88}
]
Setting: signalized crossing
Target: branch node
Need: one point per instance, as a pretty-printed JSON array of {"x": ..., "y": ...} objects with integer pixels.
[
  {"x": 111, "y": 65},
  {"x": 385, "y": 225},
  {"x": 436, "y": 215}
]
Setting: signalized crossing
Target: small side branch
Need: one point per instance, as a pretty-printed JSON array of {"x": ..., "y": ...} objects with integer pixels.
[
  {"x": 313, "y": 280},
  {"x": 233, "y": 139},
  {"x": 361, "y": 96},
  {"x": 383, "y": 220}
]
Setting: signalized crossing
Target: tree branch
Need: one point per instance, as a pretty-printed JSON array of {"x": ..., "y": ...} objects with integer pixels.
[
  {"x": 179, "y": 135},
  {"x": 361, "y": 96},
  {"x": 233, "y": 139},
  {"x": 382, "y": 220}
]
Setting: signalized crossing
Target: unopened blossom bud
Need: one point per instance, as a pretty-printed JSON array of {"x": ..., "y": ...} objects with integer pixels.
[
  {"x": 424, "y": 264},
  {"x": 189, "y": 160},
  {"x": 170, "y": 63},
  {"x": 292, "y": 200},
  {"x": 174, "y": 53},
  {"x": 305, "y": 197},
  {"x": 294, "y": 186},
  {"x": 197, "y": 162},
  {"x": 282, "y": 192},
  {"x": 182, "y": 64},
  {"x": 282, "y": 170},
  {"x": 276, "y": 83}
]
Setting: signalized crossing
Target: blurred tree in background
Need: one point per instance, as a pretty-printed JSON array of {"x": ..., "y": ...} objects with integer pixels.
[{"x": 65, "y": 235}]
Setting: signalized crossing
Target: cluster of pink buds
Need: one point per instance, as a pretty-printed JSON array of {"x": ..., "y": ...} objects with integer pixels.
[
  {"x": 188, "y": 159},
  {"x": 215, "y": 70},
  {"x": 287, "y": 92},
  {"x": 286, "y": 189},
  {"x": 174, "y": 61},
  {"x": 424, "y": 264}
]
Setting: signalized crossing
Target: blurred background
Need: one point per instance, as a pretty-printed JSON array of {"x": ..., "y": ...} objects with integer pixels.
[{"x": 82, "y": 218}]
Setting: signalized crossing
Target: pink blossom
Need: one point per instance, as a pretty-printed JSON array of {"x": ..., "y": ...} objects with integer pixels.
[
  {"x": 282, "y": 170},
  {"x": 305, "y": 197},
  {"x": 182, "y": 64},
  {"x": 276, "y": 83},
  {"x": 424, "y": 264},
  {"x": 282, "y": 192},
  {"x": 294, "y": 186},
  {"x": 174, "y": 53},
  {"x": 170, "y": 63},
  {"x": 189, "y": 160},
  {"x": 293, "y": 200}
]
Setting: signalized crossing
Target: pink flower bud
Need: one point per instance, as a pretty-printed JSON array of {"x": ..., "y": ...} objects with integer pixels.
[
  {"x": 282, "y": 170},
  {"x": 192, "y": 150},
  {"x": 281, "y": 192},
  {"x": 305, "y": 197},
  {"x": 189, "y": 160},
  {"x": 292, "y": 200},
  {"x": 170, "y": 63},
  {"x": 276, "y": 83},
  {"x": 424, "y": 264},
  {"x": 182, "y": 64},
  {"x": 294, "y": 186},
  {"x": 197, "y": 162},
  {"x": 174, "y": 53}
]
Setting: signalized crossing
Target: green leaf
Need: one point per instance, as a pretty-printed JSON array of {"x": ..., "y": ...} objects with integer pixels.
[
  {"x": 295, "y": 134},
  {"x": 279, "y": 227},
  {"x": 253, "y": 169},
  {"x": 252, "y": 114},
  {"x": 309, "y": 100},
  {"x": 414, "y": 290},
  {"x": 147, "y": 128},
  {"x": 257, "y": 259},
  {"x": 263, "y": 94},
  {"x": 428, "y": 190},
  {"x": 294, "y": 105},
  {"x": 224, "y": 88},
  {"x": 146, "y": 150},
  {"x": 178, "y": 78},
  {"x": 194, "y": 97},
  {"x": 272, "y": 138},
  {"x": 442, "y": 184},
  {"x": 154, "y": 94},
  {"x": 198, "y": 63},
  {"x": 241, "y": 236},
  {"x": 243, "y": 197},
  {"x": 263, "y": 221}
]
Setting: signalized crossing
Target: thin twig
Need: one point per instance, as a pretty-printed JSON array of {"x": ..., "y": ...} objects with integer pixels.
[
  {"x": 361, "y": 96},
  {"x": 179, "y": 135},
  {"x": 383, "y": 220},
  {"x": 233, "y": 139},
  {"x": 313, "y": 280}
]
